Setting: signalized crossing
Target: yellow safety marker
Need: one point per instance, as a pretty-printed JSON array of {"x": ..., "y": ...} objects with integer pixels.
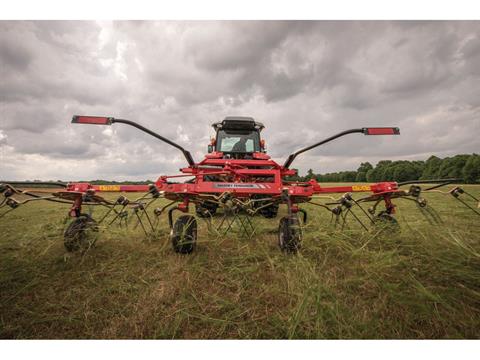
[
  {"x": 109, "y": 187},
  {"x": 361, "y": 188}
]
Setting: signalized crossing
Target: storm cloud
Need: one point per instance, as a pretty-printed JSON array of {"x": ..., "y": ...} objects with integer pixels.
[{"x": 305, "y": 80}]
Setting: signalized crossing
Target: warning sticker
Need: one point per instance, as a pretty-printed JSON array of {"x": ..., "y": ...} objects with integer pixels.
[
  {"x": 109, "y": 188},
  {"x": 361, "y": 188}
]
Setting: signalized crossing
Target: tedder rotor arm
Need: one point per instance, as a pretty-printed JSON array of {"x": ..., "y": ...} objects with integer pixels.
[
  {"x": 101, "y": 120},
  {"x": 365, "y": 131}
]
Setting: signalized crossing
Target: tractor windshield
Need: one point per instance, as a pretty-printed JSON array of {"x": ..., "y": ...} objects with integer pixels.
[{"x": 238, "y": 141}]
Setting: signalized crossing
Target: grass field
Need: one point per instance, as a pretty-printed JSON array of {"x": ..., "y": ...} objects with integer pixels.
[{"x": 423, "y": 282}]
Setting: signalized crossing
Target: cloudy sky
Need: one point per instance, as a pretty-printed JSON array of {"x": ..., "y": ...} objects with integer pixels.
[{"x": 304, "y": 80}]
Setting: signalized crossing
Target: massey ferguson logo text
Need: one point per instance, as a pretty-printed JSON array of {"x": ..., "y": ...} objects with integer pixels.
[{"x": 240, "y": 186}]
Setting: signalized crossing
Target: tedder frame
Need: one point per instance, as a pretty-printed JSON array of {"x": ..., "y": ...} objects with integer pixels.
[{"x": 235, "y": 182}]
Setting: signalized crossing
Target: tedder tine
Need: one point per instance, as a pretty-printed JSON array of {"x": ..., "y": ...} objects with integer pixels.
[
  {"x": 458, "y": 191},
  {"x": 430, "y": 214},
  {"x": 349, "y": 211}
]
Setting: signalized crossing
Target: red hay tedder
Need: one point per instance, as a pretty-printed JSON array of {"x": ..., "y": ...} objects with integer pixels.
[{"x": 237, "y": 180}]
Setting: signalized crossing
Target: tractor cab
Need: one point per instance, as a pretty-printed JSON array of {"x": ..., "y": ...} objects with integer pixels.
[{"x": 237, "y": 137}]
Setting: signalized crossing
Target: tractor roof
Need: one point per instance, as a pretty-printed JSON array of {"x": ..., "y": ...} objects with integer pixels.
[{"x": 238, "y": 123}]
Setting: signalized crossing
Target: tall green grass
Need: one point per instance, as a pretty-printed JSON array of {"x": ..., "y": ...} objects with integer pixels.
[{"x": 422, "y": 282}]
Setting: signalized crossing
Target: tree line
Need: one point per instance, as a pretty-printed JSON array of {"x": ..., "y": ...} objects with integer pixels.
[{"x": 465, "y": 167}]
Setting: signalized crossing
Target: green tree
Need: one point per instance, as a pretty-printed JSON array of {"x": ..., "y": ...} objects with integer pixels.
[
  {"x": 348, "y": 176},
  {"x": 471, "y": 170},
  {"x": 388, "y": 172},
  {"x": 377, "y": 174},
  {"x": 452, "y": 167},
  {"x": 371, "y": 175},
  {"x": 431, "y": 168},
  {"x": 419, "y": 166},
  {"x": 310, "y": 175},
  {"x": 405, "y": 171},
  {"x": 362, "y": 171}
]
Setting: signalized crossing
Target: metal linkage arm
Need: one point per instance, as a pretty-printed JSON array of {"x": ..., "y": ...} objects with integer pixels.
[
  {"x": 365, "y": 131},
  {"x": 437, "y": 182},
  {"x": 46, "y": 184},
  {"x": 99, "y": 120}
]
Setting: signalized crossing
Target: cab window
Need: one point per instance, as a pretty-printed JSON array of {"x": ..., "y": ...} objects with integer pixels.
[{"x": 238, "y": 141}]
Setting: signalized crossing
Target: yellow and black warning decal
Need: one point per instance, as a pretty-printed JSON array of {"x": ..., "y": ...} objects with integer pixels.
[
  {"x": 361, "y": 188},
  {"x": 109, "y": 187}
]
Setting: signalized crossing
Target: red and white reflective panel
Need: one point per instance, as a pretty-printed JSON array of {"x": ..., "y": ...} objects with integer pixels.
[
  {"x": 95, "y": 120},
  {"x": 382, "y": 131}
]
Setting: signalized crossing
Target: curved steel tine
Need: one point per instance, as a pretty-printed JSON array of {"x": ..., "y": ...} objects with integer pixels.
[
  {"x": 337, "y": 220},
  {"x": 468, "y": 206},
  {"x": 149, "y": 220},
  {"x": 343, "y": 217},
  {"x": 470, "y": 195},
  {"x": 118, "y": 214},
  {"x": 457, "y": 192},
  {"x": 435, "y": 214},
  {"x": 139, "y": 219},
  {"x": 144, "y": 210},
  {"x": 6, "y": 212},
  {"x": 222, "y": 221},
  {"x": 110, "y": 209},
  {"x": 429, "y": 213},
  {"x": 349, "y": 211},
  {"x": 141, "y": 223},
  {"x": 363, "y": 210}
]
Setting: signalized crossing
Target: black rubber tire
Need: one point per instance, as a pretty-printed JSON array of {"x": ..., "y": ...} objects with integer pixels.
[
  {"x": 80, "y": 234},
  {"x": 387, "y": 221},
  {"x": 289, "y": 234},
  {"x": 206, "y": 209},
  {"x": 270, "y": 212},
  {"x": 184, "y": 234}
]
